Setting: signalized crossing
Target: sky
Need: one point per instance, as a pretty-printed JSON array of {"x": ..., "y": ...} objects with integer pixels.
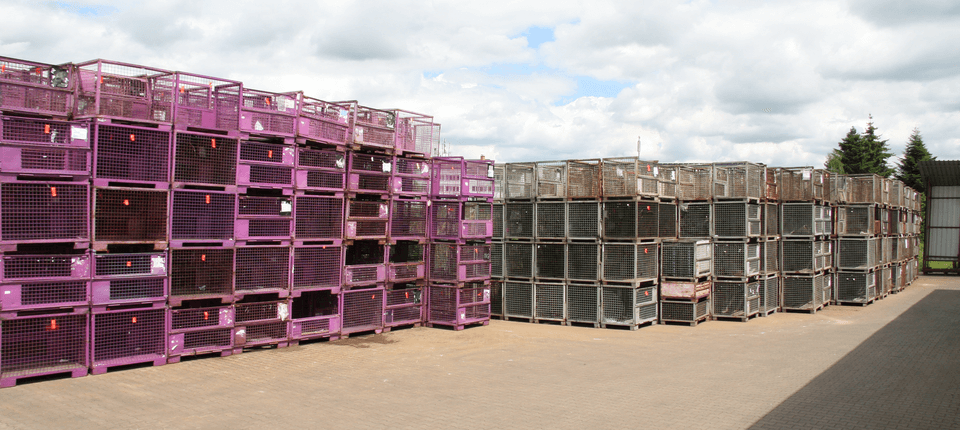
[{"x": 771, "y": 82}]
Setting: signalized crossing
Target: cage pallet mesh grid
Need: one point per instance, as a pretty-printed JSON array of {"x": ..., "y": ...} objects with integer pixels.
[
  {"x": 550, "y": 301},
  {"x": 36, "y": 88},
  {"x": 583, "y": 179},
  {"x": 38, "y": 148},
  {"x": 741, "y": 180},
  {"x": 855, "y": 287},
  {"x": 518, "y": 300},
  {"x": 694, "y": 182},
  {"x": 769, "y": 293},
  {"x": 687, "y": 259},
  {"x": 628, "y": 305},
  {"x": 40, "y": 212},
  {"x": 735, "y": 220},
  {"x": 322, "y": 121},
  {"x": 320, "y": 170},
  {"x": 736, "y": 299},
  {"x": 583, "y": 220},
  {"x": 39, "y": 345},
  {"x": 417, "y": 134},
  {"x": 696, "y": 220},
  {"x": 551, "y": 220},
  {"x": 551, "y": 179},
  {"x": 685, "y": 311},
  {"x": 628, "y": 177},
  {"x": 128, "y": 336},
  {"x": 206, "y": 103},
  {"x": 269, "y": 113},
  {"x": 550, "y": 258},
  {"x": 583, "y": 261},
  {"x": 108, "y": 89},
  {"x": 687, "y": 289},
  {"x": 520, "y": 181},
  {"x": 200, "y": 330},
  {"x": 803, "y": 292},
  {"x": 632, "y": 262},
  {"x": 121, "y": 278},
  {"x": 736, "y": 259}
]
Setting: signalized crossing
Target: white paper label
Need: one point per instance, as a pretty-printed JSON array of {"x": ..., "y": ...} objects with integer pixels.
[
  {"x": 286, "y": 207},
  {"x": 387, "y": 167},
  {"x": 282, "y": 311},
  {"x": 341, "y": 163},
  {"x": 158, "y": 264},
  {"x": 78, "y": 133},
  {"x": 288, "y": 104},
  {"x": 806, "y": 174}
]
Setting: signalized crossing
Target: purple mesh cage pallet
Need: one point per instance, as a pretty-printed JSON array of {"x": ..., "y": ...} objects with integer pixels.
[
  {"x": 43, "y": 295},
  {"x": 404, "y": 306},
  {"x": 408, "y": 220},
  {"x": 44, "y": 267},
  {"x": 202, "y": 216},
  {"x": 126, "y": 154},
  {"x": 318, "y": 218},
  {"x": 317, "y": 267},
  {"x": 453, "y": 262},
  {"x": 208, "y": 160},
  {"x": 411, "y": 177},
  {"x": 115, "y": 90},
  {"x": 406, "y": 261},
  {"x": 128, "y": 336},
  {"x": 129, "y": 278},
  {"x": 365, "y": 264},
  {"x": 322, "y": 121},
  {"x": 41, "y": 345},
  {"x": 362, "y": 310},
  {"x": 320, "y": 170},
  {"x": 22, "y": 131},
  {"x": 201, "y": 273},
  {"x": 629, "y": 176},
  {"x": 36, "y": 88},
  {"x": 266, "y": 165},
  {"x": 367, "y": 219},
  {"x": 269, "y": 114},
  {"x": 264, "y": 218},
  {"x": 453, "y": 220},
  {"x": 263, "y": 269},
  {"x": 129, "y": 215},
  {"x": 43, "y": 212},
  {"x": 405, "y": 272},
  {"x": 416, "y": 134},
  {"x": 364, "y": 274},
  {"x": 45, "y": 161},
  {"x": 206, "y": 103},
  {"x": 261, "y": 323},
  {"x": 455, "y": 306},
  {"x": 315, "y": 315},
  {"x": 448, "y": 176},
  {"x": 374, "y": 128},
  {"x": 477, "y": 179},
  {"x": 199, "y": 331},
  {"x": 370, "y": 173}
]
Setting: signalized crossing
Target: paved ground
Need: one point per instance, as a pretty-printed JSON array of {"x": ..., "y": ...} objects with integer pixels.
[{"x": 893, "y": 364}]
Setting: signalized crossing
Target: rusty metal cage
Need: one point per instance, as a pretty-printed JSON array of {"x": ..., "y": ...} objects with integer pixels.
[
  {"x": 667, "y": 176},
  {"x": 583, "y": 179},
  {"x": 865, "y": 188},
  {"x": 694, "y": 182},
  {"x": 628, "y": 177},
  {"x": 551, "y": 179},
  {"x": 740, "y": 180},
  {"x": 772, "y": 184},
  {"x": 520, "y": 181}
]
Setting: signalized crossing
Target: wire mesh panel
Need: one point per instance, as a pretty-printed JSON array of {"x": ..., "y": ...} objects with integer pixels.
[
  {"x": 44, "y": 295},
  {"x": 694, "y": 182},
  {"x": 769, "y": 293},
  {"x": 409, "y": 220},
  {"x": 583, "y": 179},
  {"x": 734, "y": 220},
  {"x": 583, "y": 220},
  {"x": 496, "y": 298},
  {"x": 648, "y": 220},
  {"x": 36, "y": 88},
  {"x": 736, "y": 259},
  {"x": 770, "y": 256},
  {"x": 268, "y": 113},
  {"x": 125, "y": 337},
  {"x": 198, "y": 273},
  {"x": 477, "y": 179},
  {"x": 456, "y": 306},
  {"x": 630, "y": 262},
  {"x": 403, "y": 305},
  {"x": 798, "y": 255},
  {"x": 519, "y": 180},
  {"x": 518, "y": 220},
  {"x": 200, "y": 330},
  {"x": 204, "y": 159},
  {"x": 684, "y": 311},
  {"x": 498, "y": 220},
  {"x": 743, "y": 180},
  {"x": 551, "y": 301},
  {"x": 43, "y": 345},
  {"x": 262, "y": 269},
  {"x": 551, "y": 220},
  {"x": 496, "y": 260},
  {"x": 667, "y": 177},
  {"x": 125, "y": 91},
  {"x": 205, "y": 102},
  {"x": 686, "y": 290},
  {"x": 320, "y": 170},
  {"x": 582, "y": 303},
  {"x": 365, "y": 263},
  {"x": 799, "y": 219},
  {"x": 735, "y": 299},
  {"x": 856, "y": 287},
  {"x": 130, "y": 215},
  {"x": 412, "y": 177},
  {"x": 797, "y": 184},
  {"x": 823, "y": 217},
  {"x": 45, "y": 160},
  {"x": 620, "y": 220},
  {"x": 129, "y": 277},
  {"x": 686, "y": 259},
  {"x": 802, "y": 292},
  {"x": 451, "y": 262},
  {"x": 583, "y": 261},
  {"x": 370, "y": 173},
  {"x": 318, "y": 217},
  {"x": 857, "y": 253},
  {"x": 407, "y": 271},
  {"x": 551, "y": 179},
  {"x": 668, "y": 224},
  {"x": 518, "y": 299},
  {"x": 550, "y": 260},
  {"x": 696, "y": 220},
  {"x": 47, "y": 133},
  {"x": 866, "y": 188},
  {"x": 446, "y": 177},
  {"x": 264, "y": 218},
  {"x": 261, "y": 323},
  {"x": 131, "y": 154},
  {"x": 265, "y": 165},
  {"x": 771, "y": 220},
  {"x": 772, "y": 183},
  {"x": 519, "y": 259},
  {"x": 322, "y": 121},
  {"x": 375, "y": 128},
  {"x": 620, "y": 177},
  {"x": 367, "y": 219},
  {"x": 202, "y": 215},
  {"x": 316, "y": 267},
  {"x": 35, "y": 212},
  {"x": 619, "y": 305},
  {"x": 417, "y": 133},
  {"x": 44, "y": 267}
]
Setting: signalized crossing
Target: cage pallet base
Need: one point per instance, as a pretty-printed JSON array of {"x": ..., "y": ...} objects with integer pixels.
[
  {"x": 741, "y": 319},
  {"x": 372, "y": 149},
  {"x": 458, "y": 327},
  {"x": 704, "y": 318},
  {"x": 11, "y": 380},
  {"x": 361, "y": 333},
  {"x": 631, "y": 326},
  {"x": 102, "y": 245},
  {"x": 807, "y": 311},
  {"x": 127, "y": 361},
  {"x": 754, "y": 200},
  {"x": 274, "y": 344},
  {"x": 145, "y": 304},
  {"x": 855, "y": 303},
  {"x": 582, "y": 324},
  {"x": 13, "y": 246},
  {"x": 400, "y": 326},
  {"x": 548, "y": 321},
  {"x": 767, "y": 313},
  {"x": 225, "y": 352},
  {"x": 314, "y": 339},
  {"x": 518, "y": 319},
  {"x": 225, "y": 299}
]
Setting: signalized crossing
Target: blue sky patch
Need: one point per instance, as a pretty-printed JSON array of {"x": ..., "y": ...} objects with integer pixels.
[
  {"x": 537, "y": 36},
  {"x": 591, "y": 87},
  {"x": 94, "y": 10}
]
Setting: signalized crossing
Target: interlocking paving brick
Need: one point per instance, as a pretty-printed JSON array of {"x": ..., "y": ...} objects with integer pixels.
[{"x": 891, "y": 364}]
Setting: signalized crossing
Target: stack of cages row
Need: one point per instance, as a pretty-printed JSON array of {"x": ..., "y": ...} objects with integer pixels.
[
  {"x": 806, "y": 247},
  {"x": 462, "y": 255},
  {"x": 686, "y": 230}
]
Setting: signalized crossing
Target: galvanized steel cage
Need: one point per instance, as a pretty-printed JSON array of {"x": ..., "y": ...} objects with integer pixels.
[
  {"x": 771, "y": 220},
  {"x": 803, "y": 292},
  {"x": 859, "y": 253},
  {"x": 856, "y": 287},
  {"x": 498, "y": 220},
  {"x": 735, "y": 299},
  {"x": 686, "y": 259},
  {"x": 519, "y": 259},
  {"x": 667, "y": 176},
  {"x": 551, "y": 220},
  {"x": 518, "y": 220},
  {"x": 633, "y": 262},
  {"x": 520, "y": 181},
  {"x": 628, "y": 305},
  {"x": 684, "y": 311},
  {"x": 801, "y": 184},
  {"x": 769, "y": 293},
  {"x": 741, "y": 180},
  {"x": 865, "y": 188},
  {"x": 583, "y": 220},
  {"x": 769, "y": 256},
  {"x": 582, "y": 303},
  {"x": 696, "y": 220},
  {"x": 583, "y": 179},
  {"x": 799, "y": 256},
  {"x": 550, "y": 261},
  {"x": 628, "y": 177},
  {"x": 550, "y": 301},
  {"x": 735, "y": 220},
  {"x": 695, "y": 182},
  {"x": 518, "y": 299},
  {"x": 736, "y": 259},
  {"x": 551, "y": 179},
  {"x": 583, "y": 261},
  {"x": 668, "y": 224}
]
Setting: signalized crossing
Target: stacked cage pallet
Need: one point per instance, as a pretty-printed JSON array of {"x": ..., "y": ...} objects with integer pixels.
[
  {"x": 685, "y": 280},
  {"x": 631, "y": 244},
  {"x": 497, "y": 243},
  {"x": 460, "y": 238},
  {"x": 44, "y": 233},
  {"x": 550, "y": 244},
  {"x": 37, "y": 89},
  {"x": 520, "y": 193},
  {"x": 806, "y": 251},
  {"x": 409, "y": 225},
  {"x": 737, "y": 228},
  {"x": 770, "y": 277},
  {"x": 582, "y": 233}
]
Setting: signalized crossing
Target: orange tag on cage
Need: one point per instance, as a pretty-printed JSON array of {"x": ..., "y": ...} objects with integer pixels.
[
  {"x": 181, "y": 89},
  {"x": 129, "y": 264},
  {"x": 134, "y": 320},
  {"x": 373, "y": 297},
  {"x": 646, "y": 293},
  {"x": 211, "y": 85},
  {"x": 406, "y": 295},
  {"x": 126, "y": 202},
  {"x": 133, "y": 138},
  {"x": 648, "y": 207},
  {"x": 3, "y": 68},
  {"x": 206, "y": 315},
  {"x": 53, "y": 191},
  {"x": 267, "y": 100},
  {"x": 648, "y": 167},
  {"x": 203, "y": 257},
  {"x": 213, "y": 143},
  {"x": 46, "y": 129},
  {"x": 646, "y": 251},
  {"x": 270, "y": 153},
  {"x": 53, "y": 324},
  {"x": 208, "y": 199},
  {"x": 38, "y": 71}
]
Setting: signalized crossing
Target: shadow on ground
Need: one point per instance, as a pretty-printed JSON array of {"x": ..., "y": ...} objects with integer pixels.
[{"x": 907, "y": 375}]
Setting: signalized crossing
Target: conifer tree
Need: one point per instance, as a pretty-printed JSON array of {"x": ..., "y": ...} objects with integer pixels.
[{"x": 908, "y": 169}]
